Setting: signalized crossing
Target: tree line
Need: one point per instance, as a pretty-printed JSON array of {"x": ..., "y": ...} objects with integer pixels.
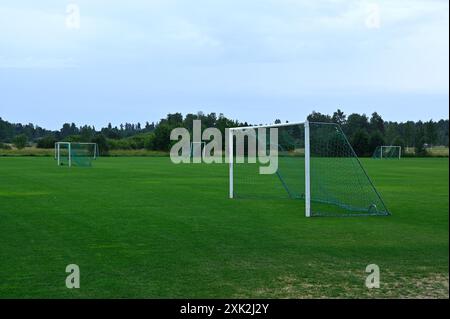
[{"x": 365, "y": 133}]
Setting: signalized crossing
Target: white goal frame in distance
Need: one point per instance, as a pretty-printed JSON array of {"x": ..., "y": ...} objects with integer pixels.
[
  {"x": 69, "y": 144},
  {"x": 307, "y": 158},
  {"x": 391, "y": 146}
]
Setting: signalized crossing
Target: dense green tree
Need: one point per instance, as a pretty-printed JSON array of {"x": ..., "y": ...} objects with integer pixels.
[
  {"x": 161, "y": 140},
  {"x": 408, "y": 133},
  {"x": 430, "y": 132},
  {"x": 442, "y": 127},
  {"x": 210, "y": 120},
  {"x": 360, "y": 142},
  {"x": 339, "y": 118},
  {"x": 391, "y": 132},
  {"x": 175, "y": 120},
  {"x": 102, "y": 144},
  {"x": 376, "y": 123},
  {"x": 20, "y": 141},
  {"x": 419, "y": 148},
  {"x": 319, "y": 117},
  {"x": 149, "y": 127},
  {"x": 46, "y": 142},
  {"x": 73, "y": 138},
  {"x": 86, "y": 133},
  {"x": 355, "y": 123},
  {"x": 6, "y": 130},
  {"x": 149, "y": 142},
  {"x": 68, "y": 129},
  {"x": 188, "y": 121},
  {"x": 419, "y": 137},
  {"x": 376, "y": 139},
  {"x": 134, "y": 136},
  {"x": 111, "y": 132},
  {"x": 398, "y": 141}
]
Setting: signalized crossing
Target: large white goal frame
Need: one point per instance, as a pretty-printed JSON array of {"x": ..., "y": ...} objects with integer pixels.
[
  {"x": 69, "y": 148},
  {"x": 231, "y": 133},
  {"x": 351, "y": 192}
]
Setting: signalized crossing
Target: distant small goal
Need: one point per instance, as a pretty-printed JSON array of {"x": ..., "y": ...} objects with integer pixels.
[
  {"x": 387, "y": 152},
  {"x": 75, "y": 154}
]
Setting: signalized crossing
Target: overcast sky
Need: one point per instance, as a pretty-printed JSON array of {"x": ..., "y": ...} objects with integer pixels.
[{"x": 253, "y": 60}]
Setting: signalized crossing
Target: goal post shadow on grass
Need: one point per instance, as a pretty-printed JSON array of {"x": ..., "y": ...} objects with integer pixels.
[{"x": 316, "y": 164}]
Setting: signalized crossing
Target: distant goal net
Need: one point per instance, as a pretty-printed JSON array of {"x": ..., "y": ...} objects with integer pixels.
[
  {"x": 387, "y": 152},
  {"x": 76, "y": 154},
  {"x": 316, "y": 165}
]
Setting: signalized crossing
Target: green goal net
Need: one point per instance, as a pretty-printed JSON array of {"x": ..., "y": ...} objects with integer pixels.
[
  {"x": 76, "y": 154},
  {"x": 338, "y": 183},
  {"x": 387, "y": 152}
]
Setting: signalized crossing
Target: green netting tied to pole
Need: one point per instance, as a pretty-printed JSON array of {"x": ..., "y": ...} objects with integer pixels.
[{"x": 339, "y": 185}]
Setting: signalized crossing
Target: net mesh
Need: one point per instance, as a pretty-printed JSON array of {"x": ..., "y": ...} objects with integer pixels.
[
  {"x": 81, "y": 155},
  {"x": 339, "y": 183},
  {"x": 387, "y": 152}
]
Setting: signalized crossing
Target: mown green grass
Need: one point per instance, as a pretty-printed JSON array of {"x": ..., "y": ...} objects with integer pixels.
[{"x": 145, "y": 228}]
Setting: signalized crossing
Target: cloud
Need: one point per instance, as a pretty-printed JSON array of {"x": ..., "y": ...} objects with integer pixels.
[{"x": 251, "y": 48}]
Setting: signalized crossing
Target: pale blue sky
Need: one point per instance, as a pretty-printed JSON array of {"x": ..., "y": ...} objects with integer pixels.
[{"x": 253, "y": 60}]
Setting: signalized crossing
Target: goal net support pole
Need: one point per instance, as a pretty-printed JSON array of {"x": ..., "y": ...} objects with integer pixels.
[
  {"x": 307, "y": 172},
  {"x": 231, "y": 159},
  {"x": 70, "y": 155},
  {"x": 58, "y": 153}
]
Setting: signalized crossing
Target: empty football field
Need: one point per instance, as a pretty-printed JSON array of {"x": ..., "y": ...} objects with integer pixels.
[{"x": 141, "y": 227}]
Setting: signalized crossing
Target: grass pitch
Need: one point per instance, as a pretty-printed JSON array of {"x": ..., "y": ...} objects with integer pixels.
[{"x": 146, "y": 228}]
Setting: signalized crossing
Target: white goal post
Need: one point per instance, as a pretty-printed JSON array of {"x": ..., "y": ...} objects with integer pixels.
[
  {"x": 315, "y": 163},
  {"x": 231, "y": 133},
  {"x": 58, "y": 152}
]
